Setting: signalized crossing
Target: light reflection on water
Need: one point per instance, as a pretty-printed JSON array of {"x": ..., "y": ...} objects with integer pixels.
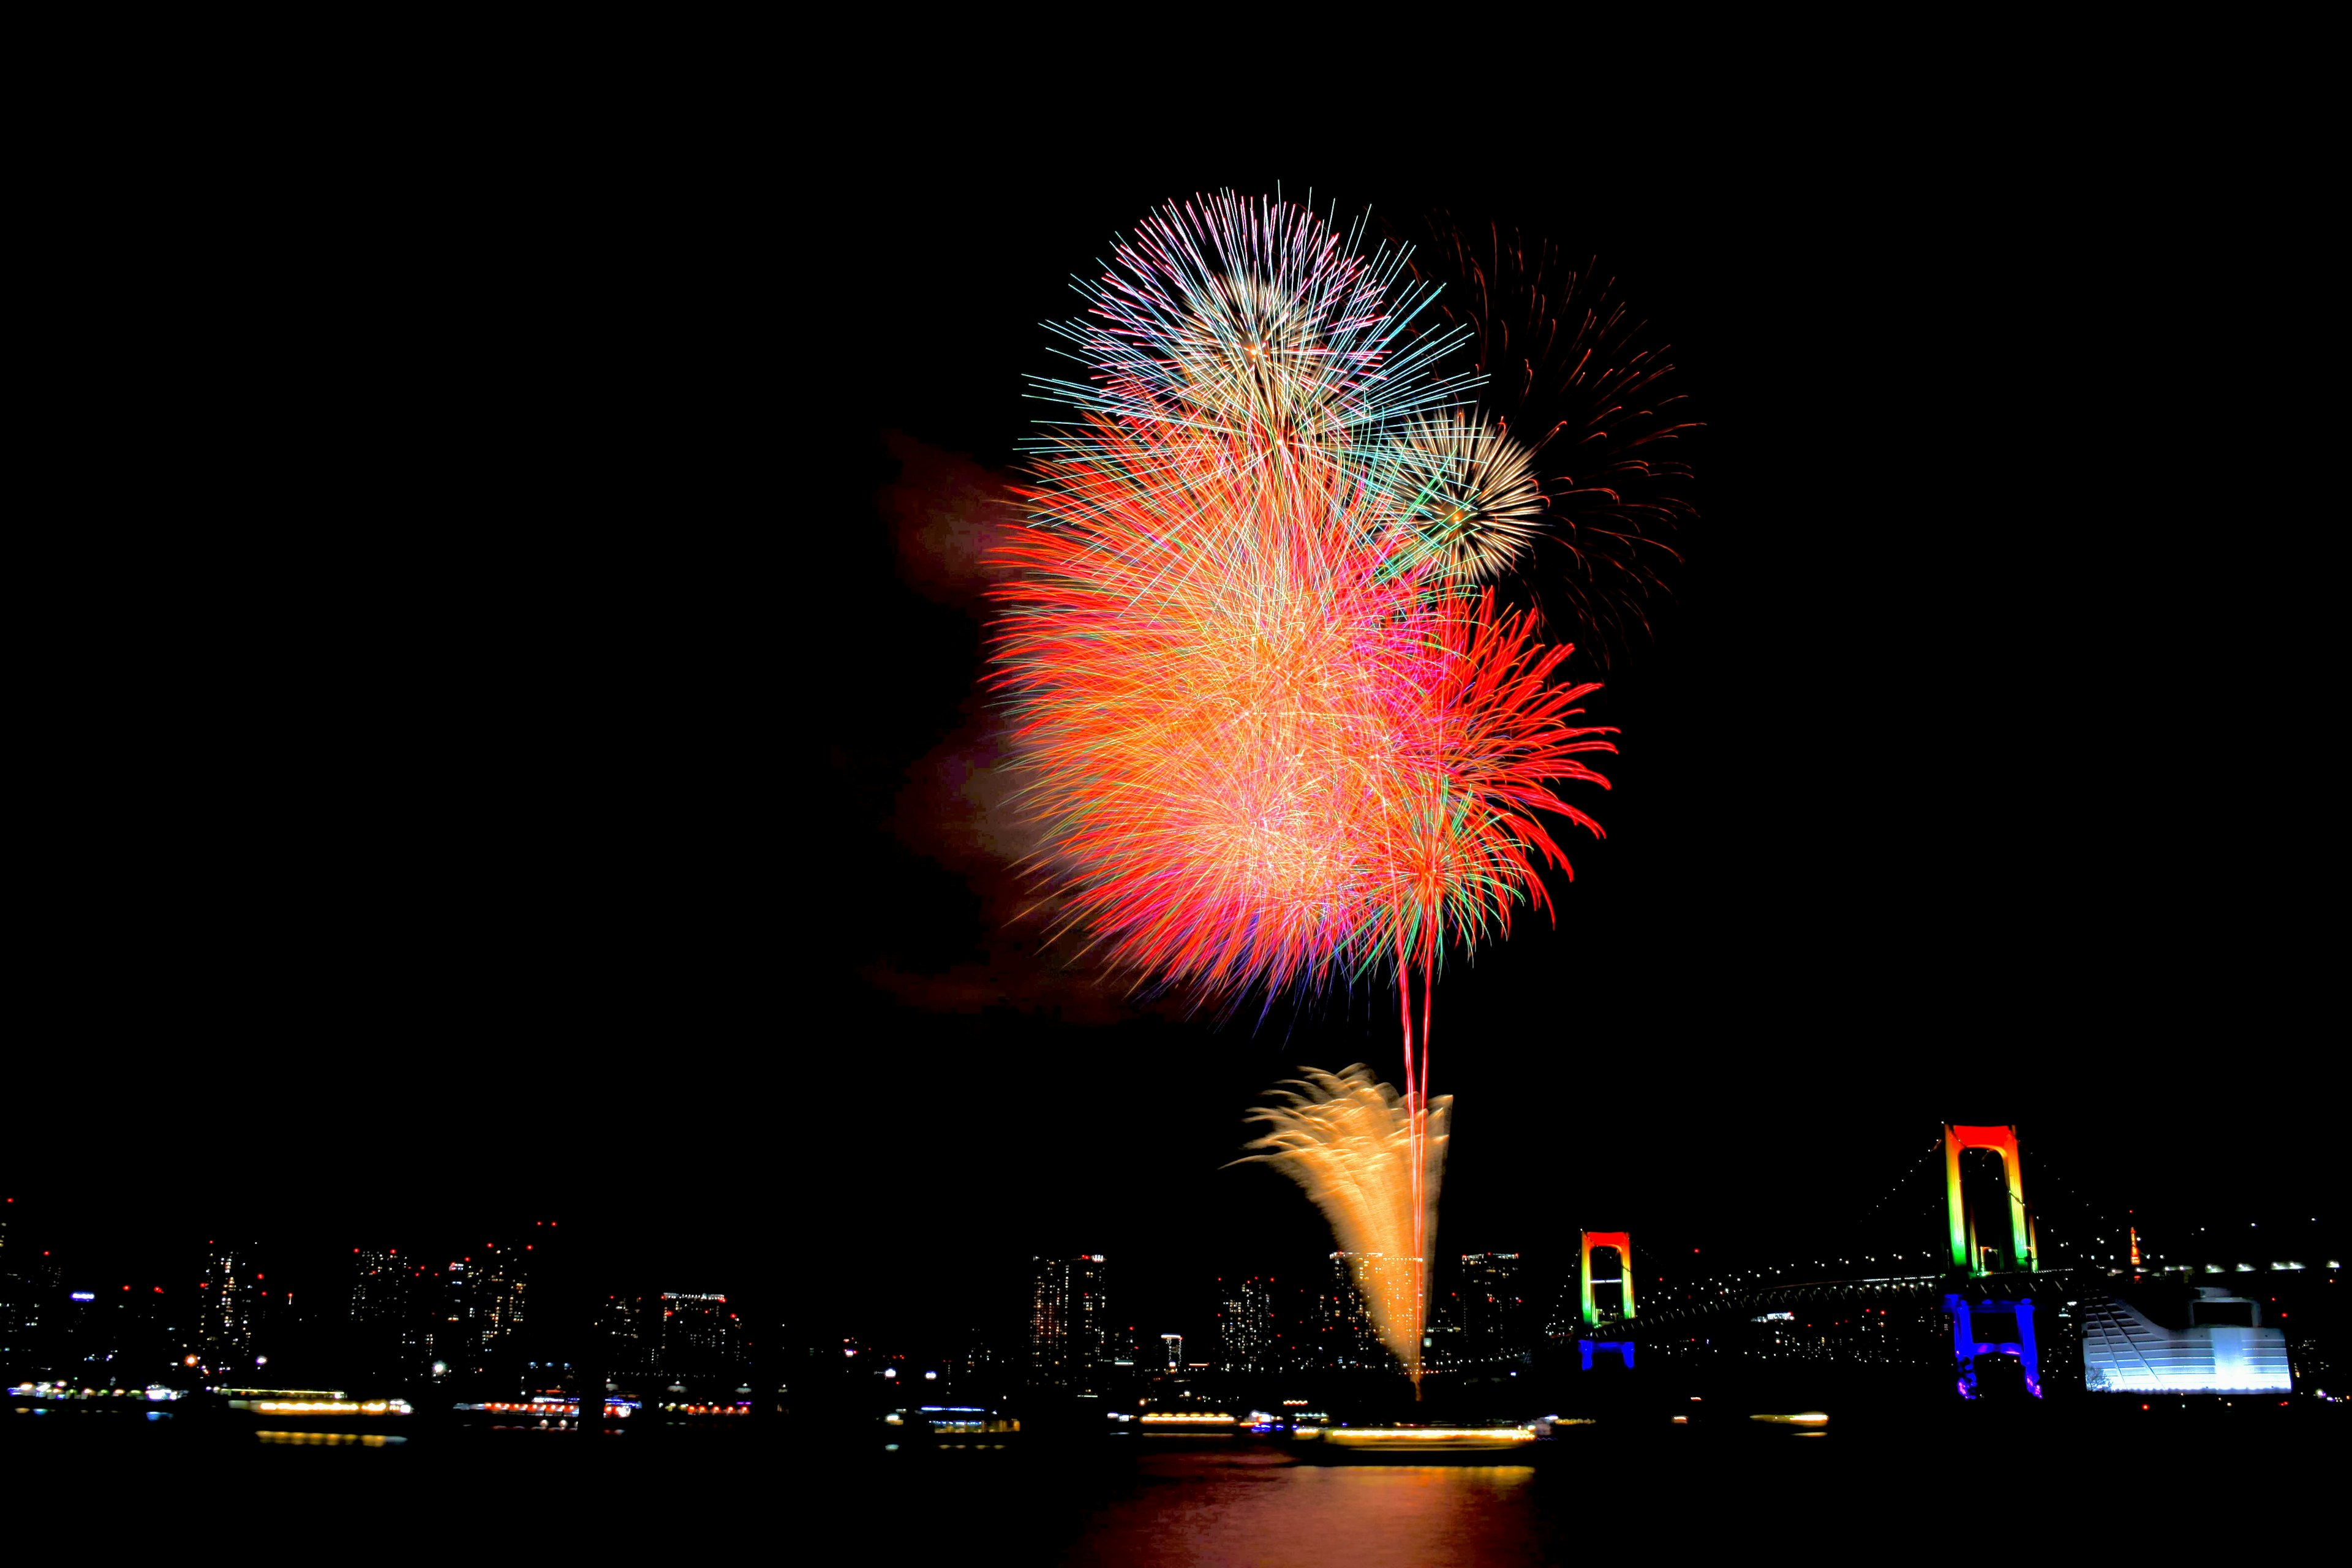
[{"x": 1258, "y": 1510}]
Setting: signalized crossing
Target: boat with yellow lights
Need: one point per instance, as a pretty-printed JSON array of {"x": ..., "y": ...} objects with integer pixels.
[{"x": 1415, "y": 1445}]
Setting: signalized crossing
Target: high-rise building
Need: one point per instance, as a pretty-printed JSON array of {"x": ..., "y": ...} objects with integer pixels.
[
  {"x": 1494, "y": 1313},
  {"x": 1348, "y": 1339},
  {"x": 1344, "y": 1337},
  {"x": 501, "y": 1276},
  {"x": 228, "y": 1317},
  {"x": 422, "y": 1325},
  {"x": 629, "y": 1344},
  {"x": 379, "y": 1307},
  {"x": 699, "y": 1334},
  {"x": 458, "y": 1339},
  {"x": 12, "y": 1293},
  {"x": 1247, "y": 1325},
  {"x": 28, "y": 1280},
  {"x": 1070, "y": 1344}
]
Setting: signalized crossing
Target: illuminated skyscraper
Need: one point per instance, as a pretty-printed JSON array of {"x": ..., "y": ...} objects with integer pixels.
[
  {"x": 230, "y": 1311},
  {"x": 1070, "y": 1323},
  {"x": 501, "y": 1276},
  {"x": 1348, "y": 1339},
  {"x": 1345, "y": 1339},
  {"x": 1247, "y": 1325},
  {"x": 457, "y": 1326}
]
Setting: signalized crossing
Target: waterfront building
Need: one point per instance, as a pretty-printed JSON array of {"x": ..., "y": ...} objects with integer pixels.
[
  {"x": 699, "y": 1332},
  {"x": 18, "y": 1319},
  {"x": 1247, "y": 1327},
  {"x": 1347, "y": 1339},
  {"x": 621, "y": 1323},
  {"x": 457, "y": 1339},
  {"x": 1493, "y": 1314},
  {"x": 2211, "y": 1341},
  {"x": 380, "y": 1307},
  {"x": 228, "y": 1317},
  {"x": 1070, "y": 1344},
  {"x": 501, "y": 1281}
]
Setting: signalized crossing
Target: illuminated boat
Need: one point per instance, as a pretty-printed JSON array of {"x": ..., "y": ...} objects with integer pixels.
[{"x": 1417, "y": 1445}]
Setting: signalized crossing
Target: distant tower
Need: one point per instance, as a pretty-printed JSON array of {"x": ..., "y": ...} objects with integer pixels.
[{"x": 1175, "y": 1344}]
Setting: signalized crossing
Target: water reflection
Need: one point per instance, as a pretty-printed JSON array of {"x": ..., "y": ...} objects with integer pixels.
[{"x": 1261, "y": 1510}]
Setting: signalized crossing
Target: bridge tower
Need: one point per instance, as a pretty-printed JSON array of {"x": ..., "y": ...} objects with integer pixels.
[
  {"x": 1968, "y": 1251},
  {"x": 1993, "y": 1323},
  {"x": 1622, "y": 1243}
]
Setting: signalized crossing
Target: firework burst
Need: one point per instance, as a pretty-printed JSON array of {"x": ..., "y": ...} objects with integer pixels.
[
  {"x": 1275, "y": 729},
  {"x": 1469, "y": 494},
  {"x": 1259, "y": 322}
]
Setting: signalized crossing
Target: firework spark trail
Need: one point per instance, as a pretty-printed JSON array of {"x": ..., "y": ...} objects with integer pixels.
[
  {"x": 1348, "y": 1139},
  {"x": 1275, "y": 732}
]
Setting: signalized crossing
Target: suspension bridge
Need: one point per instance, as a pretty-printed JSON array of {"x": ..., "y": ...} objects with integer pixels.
[{"x": 1985, "y": 1280}]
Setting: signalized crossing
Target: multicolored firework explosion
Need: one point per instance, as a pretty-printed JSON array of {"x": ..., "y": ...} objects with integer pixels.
[
  {"x": 1586, "y": 391},
  {"x": 1277, "y": 730}
]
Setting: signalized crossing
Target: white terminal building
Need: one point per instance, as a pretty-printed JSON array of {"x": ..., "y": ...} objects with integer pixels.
[{"x": 2223, "y": 1348}]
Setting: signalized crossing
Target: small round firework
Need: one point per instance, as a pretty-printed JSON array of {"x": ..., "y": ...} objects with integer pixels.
[{"x": 1469, "y": 492}]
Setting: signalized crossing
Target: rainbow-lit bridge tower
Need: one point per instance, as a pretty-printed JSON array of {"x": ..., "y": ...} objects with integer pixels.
[
  {"x": 1620, "y": 1243},
  {"x": 1968, "y": 1250},
  {"x": 1987, "y": 1320}
]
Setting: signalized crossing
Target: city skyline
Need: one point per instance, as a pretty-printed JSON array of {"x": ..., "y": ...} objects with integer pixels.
[{"x": 379, "y": 1312}]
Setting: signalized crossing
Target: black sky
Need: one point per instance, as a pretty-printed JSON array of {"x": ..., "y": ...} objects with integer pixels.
[{"x": 473, "y": 702}]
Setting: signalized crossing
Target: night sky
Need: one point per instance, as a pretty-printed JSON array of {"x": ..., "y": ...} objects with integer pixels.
[{"x": 481, "y": 740}]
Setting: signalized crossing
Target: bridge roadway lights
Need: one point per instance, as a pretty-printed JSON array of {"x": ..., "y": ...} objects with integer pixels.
[
  {"x": 1966, "y": 1347},
  {"x": 1623, "y": 1347},
  {"x": 1624, "y": 1247},
  {"x": 1966, "y": 1253}
]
